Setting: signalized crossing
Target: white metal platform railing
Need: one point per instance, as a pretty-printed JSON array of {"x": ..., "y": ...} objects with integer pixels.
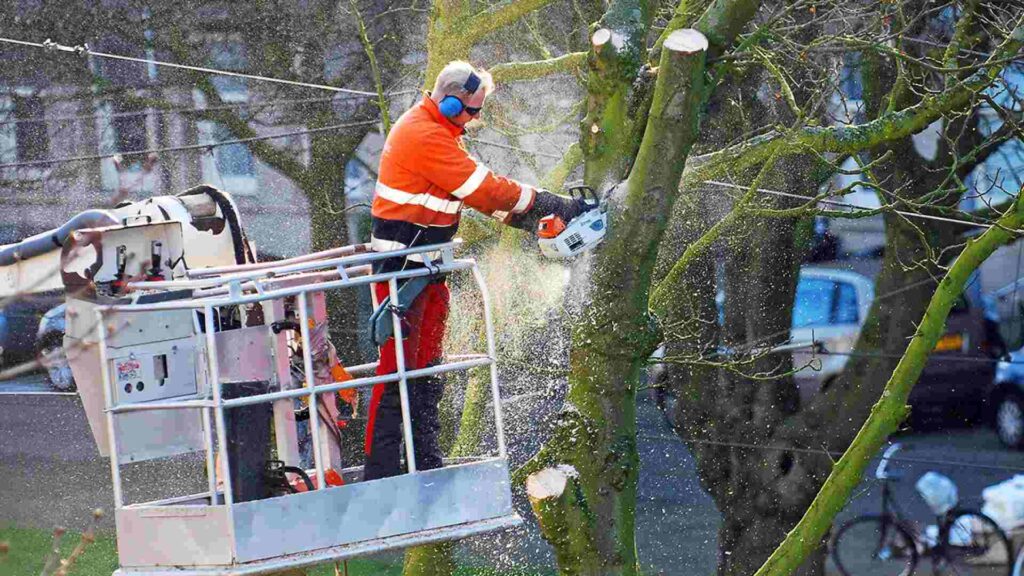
[{"x": 296, "y": 279}]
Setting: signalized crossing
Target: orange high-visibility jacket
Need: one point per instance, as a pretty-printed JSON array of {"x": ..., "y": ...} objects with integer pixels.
[{"x": 425, "y": 178}]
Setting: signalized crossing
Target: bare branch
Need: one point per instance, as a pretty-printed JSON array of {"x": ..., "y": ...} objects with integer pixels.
[
  {"x": 571, "y": 63},
  {"x": 851, "y": 139},
  {"x": 493, "y": 20}
]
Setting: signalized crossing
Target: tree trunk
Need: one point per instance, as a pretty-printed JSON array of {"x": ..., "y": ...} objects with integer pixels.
[
  {"x": 594, "y": 444},
  {"x": 325, "y": 190}
]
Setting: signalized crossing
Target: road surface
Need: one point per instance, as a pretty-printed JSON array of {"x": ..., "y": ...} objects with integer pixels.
[{"x": 54, "y": 476}]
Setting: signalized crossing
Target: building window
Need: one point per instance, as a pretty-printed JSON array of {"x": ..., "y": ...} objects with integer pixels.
[
  {"x": 121, "y": 73},
  {"x": 128, "y": 128},
  {"x": 229, "y": 55},
  {"x": 23, "y": 133},
  {"x": 230, "y": 166},
  {"x": 232, "y": 159},
  {"x": 33, "y": 142},
  {"x": 124, "y": 128}
]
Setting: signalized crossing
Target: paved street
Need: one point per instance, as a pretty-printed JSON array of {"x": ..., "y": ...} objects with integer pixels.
[
  {"x": 53, "y": 475},
  {"x": 29, "y": 383}
]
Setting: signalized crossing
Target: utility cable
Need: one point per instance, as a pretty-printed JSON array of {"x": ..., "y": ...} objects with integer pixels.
[
  {"x": 84, "y": 50},
  {"x": 834, "y": 454},
  {"x": 187, "y": 147},
  {"x": 161, "y": 112},
  {"x": 881, "y": 355},
  {"x": 848, "y": 205},
  {"x": 514, "y": 148},
  {"x": 885, "y": 296},
  {"x": 765, "y": 190}
]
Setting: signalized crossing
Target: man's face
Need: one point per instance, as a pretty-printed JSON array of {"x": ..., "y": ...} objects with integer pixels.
[{"x": 472, "y": 104}]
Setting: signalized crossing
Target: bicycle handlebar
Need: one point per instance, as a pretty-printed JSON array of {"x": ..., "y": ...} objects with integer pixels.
[{"x": 882, "y": 472}]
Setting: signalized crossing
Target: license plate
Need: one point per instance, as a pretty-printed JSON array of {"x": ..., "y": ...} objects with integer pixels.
[{"x": 950, "y": 343}]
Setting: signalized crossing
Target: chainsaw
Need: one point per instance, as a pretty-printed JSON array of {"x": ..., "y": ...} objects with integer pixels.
[{"x": 559, "y": 239}]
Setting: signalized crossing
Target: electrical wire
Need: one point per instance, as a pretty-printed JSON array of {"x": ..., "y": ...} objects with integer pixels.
[
  {"x": 84, "y": 50},
  {"x": 187, "y": 147},
  {"x": 936, "y": 357},
  {"x": 766, "y": 190},
  {"x": 933, "y": 44},
  {"x": 759, "y": 341},
  {"x": 161, "y": 112},
  {"x": 834, "y": 454},
  {"x": 848, "y": 205},
  {"x": 514, "y": 148}
]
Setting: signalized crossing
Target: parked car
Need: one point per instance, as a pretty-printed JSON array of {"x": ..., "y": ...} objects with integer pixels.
[
  {"x": 955, "y": 384},
  {"x": 50, "y": 350},
  {"x": 19, "y": 319},
  {"x": 832, "y": 304}
]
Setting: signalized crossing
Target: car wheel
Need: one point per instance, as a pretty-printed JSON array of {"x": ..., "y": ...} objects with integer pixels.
[
  {"x": 1009, "y": 421},
  {"x": 58, "y": 371}
]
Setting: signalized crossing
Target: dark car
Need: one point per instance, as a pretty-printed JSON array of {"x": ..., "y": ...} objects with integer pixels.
[
  {"x": 19, "y": 326},
  {"x": 21, "y": 318},
  {"x": 956, "y": 384}
]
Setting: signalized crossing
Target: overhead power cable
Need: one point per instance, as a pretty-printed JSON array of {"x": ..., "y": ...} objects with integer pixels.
[
  {"x": 187, "y": 147},
  {"x": 84, "y": 50},
  {"x": 906, "y": 213},
  {"x": 936, "y": 357},
  {"x": 513, "y": 148},
  {"x": 833, "y": 454},
  {"x": 851, "y": 206},
  {"x": 159, "y": 111}
]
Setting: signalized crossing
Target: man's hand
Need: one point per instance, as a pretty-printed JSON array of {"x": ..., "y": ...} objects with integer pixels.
[{"x": 546, "y": 204}]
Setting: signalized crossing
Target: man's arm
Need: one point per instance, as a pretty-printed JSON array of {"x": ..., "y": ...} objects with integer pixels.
[{"x": 451, "y": 168}]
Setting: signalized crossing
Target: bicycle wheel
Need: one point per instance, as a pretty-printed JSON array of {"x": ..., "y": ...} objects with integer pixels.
[
  {"x": 1018, "y": 566},
  {"x": 873, "y": 545},
  {"x": 972, "y": 544}
]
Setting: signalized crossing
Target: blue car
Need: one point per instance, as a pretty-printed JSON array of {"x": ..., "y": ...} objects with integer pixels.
[{"x": 1008, "y": 400}]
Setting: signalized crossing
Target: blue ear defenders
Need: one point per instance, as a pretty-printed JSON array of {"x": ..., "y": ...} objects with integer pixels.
[{"x": 452, "y": 106}]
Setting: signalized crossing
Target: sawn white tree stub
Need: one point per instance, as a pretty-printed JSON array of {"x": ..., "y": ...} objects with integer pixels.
[{"x": 687, "y": 41}]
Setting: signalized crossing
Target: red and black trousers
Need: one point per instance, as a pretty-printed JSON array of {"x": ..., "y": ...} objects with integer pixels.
[{"x": 423, "y": 326}]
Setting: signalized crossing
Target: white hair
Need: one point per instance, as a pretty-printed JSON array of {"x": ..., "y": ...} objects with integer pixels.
[{"x": 451, "y": 81}]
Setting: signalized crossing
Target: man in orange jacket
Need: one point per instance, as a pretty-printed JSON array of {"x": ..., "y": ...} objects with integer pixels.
[{"x": 426, "y": 177}]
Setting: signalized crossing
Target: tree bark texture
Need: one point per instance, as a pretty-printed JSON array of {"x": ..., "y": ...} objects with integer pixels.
[{"x": 611, "y": 340}]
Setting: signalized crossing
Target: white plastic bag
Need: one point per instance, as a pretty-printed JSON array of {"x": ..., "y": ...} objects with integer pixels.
[
  {"x": 938, "y": 491},
  {"x": 1004, "y": 503}
]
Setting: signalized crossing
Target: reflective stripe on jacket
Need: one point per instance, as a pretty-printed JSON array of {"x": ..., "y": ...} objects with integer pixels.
[{"x": 425, "y": 178}]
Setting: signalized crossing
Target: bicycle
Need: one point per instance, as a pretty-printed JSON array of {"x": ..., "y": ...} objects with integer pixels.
[
  {"x": 967, "y": 541},
  {"x": 1018, "y": 565}
]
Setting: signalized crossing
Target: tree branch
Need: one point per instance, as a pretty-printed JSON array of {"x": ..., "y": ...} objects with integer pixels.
[
  {"x": 664, "y": 293},
  {"x": 852, "y": 139},
  {"x": 720, "y": 23},
  {"x": 276, "y": 158},
  {"x": 891, "y": 408},
  {"x": 371, "y": 55},
  {"x": 573, "y": 62},
  {"x": 492, "y": 20},
  {"x": 555, "y": 179}
]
